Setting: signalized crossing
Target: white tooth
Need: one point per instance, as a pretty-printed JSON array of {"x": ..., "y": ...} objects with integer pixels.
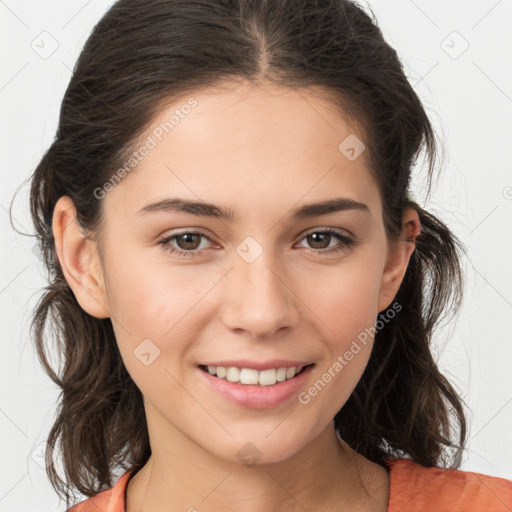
[
  {"x": 233, "y": 374},
  {"x": 267, "y": 377},
  {"x": 281, "y": 374},
  {"x": 290, "y": 372},
  {"x": 248, "y": 376}
]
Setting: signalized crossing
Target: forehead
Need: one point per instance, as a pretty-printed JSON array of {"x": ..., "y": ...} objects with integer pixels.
[
  {"x": 253, "y": 113},
  {"x": 240, "y": 143}
]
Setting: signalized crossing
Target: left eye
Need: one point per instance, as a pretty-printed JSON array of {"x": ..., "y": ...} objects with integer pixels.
[
  {"x": 188, "y": 239},
  {"x": 188, "y": 242},
  {"x": 319, "y": 237}
]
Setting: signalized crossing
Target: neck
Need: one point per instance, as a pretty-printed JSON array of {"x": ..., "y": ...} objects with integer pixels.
[{"x": 323, "y": 475}]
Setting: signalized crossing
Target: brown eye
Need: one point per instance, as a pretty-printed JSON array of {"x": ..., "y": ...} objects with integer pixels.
[
  {"x": 318, "y": 240},
  {"x": 185, "y": 244},
  {"x": 188, "y": 241},
  {"x": 321, "y": 240}
]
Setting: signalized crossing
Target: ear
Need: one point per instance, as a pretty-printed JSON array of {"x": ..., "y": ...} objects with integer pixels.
[
  {"x": 79, "y": 259},
  {"x": 399, "y": 254}
]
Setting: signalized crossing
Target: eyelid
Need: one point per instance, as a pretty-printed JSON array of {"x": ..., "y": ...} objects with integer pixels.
[
  {"x": 340, "y": 231},
  {"x": 192, "y": 231}
]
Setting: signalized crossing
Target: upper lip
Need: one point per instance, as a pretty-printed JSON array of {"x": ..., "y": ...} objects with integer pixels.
[{"x": 259, "y": 365}]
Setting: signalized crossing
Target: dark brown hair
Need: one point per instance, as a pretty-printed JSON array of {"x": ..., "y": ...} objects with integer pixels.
[{"x": 146, "y": 52}]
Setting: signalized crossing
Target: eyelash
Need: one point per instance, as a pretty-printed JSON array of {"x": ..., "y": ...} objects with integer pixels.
[{"x": 346, "y": 243}]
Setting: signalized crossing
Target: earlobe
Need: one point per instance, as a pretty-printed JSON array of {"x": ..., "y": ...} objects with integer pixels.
[
  {"x": 399, "y": 255},
  {"x": 79, "y": 259}
]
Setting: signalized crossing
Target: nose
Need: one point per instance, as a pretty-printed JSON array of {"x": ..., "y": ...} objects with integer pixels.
[{"x": 259, "y": 299}]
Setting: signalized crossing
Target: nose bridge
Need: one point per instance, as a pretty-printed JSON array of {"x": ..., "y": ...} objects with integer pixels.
[{"x": 259, "y": 299}]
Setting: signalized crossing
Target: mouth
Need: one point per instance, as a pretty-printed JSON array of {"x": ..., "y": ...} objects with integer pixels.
[
  {"x": 228, "y": 383},
  {"x": 254, "y": 378}
]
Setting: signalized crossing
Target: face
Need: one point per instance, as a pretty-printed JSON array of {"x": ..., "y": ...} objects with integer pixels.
[{"x": 185, "y": 289}]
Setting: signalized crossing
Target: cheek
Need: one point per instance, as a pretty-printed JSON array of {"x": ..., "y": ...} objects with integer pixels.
[
  {"x": 344, "y": 297},
  {"x": 153, "y": 298},
  {"x": 157, "y": 310},
  {"x": 150, "y": 315},
  {"x": 345, "y": 303}
]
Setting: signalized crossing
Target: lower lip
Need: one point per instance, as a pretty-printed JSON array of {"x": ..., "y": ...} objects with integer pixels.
[{"x": 255, "y": 396}]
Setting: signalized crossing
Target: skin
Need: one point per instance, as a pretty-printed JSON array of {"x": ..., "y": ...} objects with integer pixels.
[{"x": 261, "y": 151}]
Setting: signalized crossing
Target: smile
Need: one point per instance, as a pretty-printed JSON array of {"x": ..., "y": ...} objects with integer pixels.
[
  {"x": 271, "y": 393},
  {"x": 250, "y": 376}
]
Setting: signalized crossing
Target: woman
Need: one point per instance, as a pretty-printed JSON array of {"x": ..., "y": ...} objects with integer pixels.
[{"x": 243, "y": 291}]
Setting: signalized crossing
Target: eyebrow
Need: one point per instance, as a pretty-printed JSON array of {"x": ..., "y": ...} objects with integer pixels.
[{"x": 205, "y": 209}]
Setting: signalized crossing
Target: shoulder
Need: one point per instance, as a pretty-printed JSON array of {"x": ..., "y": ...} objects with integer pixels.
[
  {"x": 110, "y": 500},
  {"x": 416, "y": 488}
]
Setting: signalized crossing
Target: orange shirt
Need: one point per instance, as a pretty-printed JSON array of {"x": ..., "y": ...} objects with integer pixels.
[{"x": 413, "y": 488}]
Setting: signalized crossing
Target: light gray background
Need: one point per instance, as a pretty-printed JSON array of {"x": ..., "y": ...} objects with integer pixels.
[{"x": 468, "y": 95}]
